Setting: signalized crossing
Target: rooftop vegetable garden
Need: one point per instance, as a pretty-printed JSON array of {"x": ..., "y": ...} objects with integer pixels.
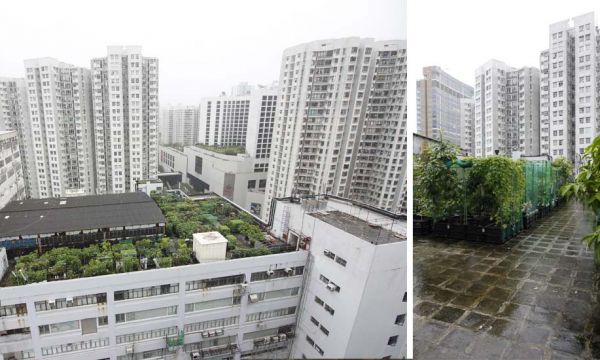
[
  {"x": 483, "y": 199},
  {"x": 184, "y": 218},
  {"x": 225, "y": 150}
]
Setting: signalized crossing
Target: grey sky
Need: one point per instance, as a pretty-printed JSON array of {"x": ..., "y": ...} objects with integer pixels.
[
  {"x": 204, "y": 47},
  {"x": 461, "y": 35}
]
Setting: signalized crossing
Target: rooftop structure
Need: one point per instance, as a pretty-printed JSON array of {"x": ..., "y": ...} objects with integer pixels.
[
  {"x": 101, "y": 217},
  {"x": 375, "y": 234}
]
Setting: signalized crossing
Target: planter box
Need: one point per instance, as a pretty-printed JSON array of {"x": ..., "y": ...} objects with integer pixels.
[
  {"x": 440, "y": 228},
  {"x": 495, "y": 234},
  {"x": 422, "y": 226},
  {"x": 475, "y": 232},
  {"x": 457, "y": 231},
  {"x": 530, "y": 219}
]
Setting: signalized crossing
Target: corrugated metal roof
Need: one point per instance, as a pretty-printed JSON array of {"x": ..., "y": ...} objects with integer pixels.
[{"x": 39, "y": 216}]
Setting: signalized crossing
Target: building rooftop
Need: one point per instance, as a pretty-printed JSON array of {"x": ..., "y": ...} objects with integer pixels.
[
  {"x": 43, "y": 216},
  {"x": 373, "y": 233}
]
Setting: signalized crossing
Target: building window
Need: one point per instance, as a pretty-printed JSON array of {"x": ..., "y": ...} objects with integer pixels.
[
  {"x": 198, "y": 165},
  {"x": 393, "y": 340},
  {"x": 400, "y": 319},
  {"x": 404, "y": 298}
]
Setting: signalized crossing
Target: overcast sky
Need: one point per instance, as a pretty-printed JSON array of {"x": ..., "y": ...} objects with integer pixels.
[
  {"x": 203, "y": 47},
  {"x": 461, "y": 35}
]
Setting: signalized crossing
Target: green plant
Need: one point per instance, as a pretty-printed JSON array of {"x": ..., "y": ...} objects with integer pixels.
[
  {"x": 436, "y": 185},
  {"x": 253, "y": 232},
  {"x": 564, "y": 169},
  {"x": 231, "y": 242},
  {"x": 495, "y": 189},
  {"x": 586, "y": 188}
]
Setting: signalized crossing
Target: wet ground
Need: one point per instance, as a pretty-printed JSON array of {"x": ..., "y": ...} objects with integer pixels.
[{"x": 535, "y": 297}]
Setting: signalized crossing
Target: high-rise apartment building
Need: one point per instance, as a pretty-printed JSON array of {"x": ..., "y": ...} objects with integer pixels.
[
  {"x": 438, "y": 105},
  {"x": 523, "y": 102},
  {"x": 245, "y": 120},
  {"x": 506, "y": 110},
  {"x": 570, "y": 119},
  {"x": 14, "y": 115},
  {"x": 61, "y": 131},
  {"x": 340, "y": 126},
  {"x": 12, "y": 182},
  {"x": 125, "y": 101},
  {"x": 179, "y": 125},
  {"x": 467, "y": 117}
]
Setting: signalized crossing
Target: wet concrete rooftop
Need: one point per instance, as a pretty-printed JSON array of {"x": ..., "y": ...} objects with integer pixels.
[{"x": 535, "y": 297}]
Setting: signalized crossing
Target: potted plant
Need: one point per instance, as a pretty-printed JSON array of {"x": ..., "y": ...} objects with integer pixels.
[
  {"x": 436, "y": 188},
  {"x": 495, "y": 187}
]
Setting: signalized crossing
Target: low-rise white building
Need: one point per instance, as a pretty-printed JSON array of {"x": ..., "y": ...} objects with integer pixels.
[
  {"x": 354, "y": 301},
  {"x": 341, "y": 294},
  {"x": 161, "y": 313}
]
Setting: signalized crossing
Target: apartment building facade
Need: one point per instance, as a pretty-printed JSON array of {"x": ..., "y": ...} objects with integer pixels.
[
  {"x": 61, "y": 128},
  {"x": 467, "y": 119},
  {"x": 218, "y": 309},
  {"x": 125, "y": 108},
  {"x": 439, "y": 104},
  {"x": 340, "y": 126},
  {"x": 339, "y": 317},
  {"x": 572, "y": 67},
  {"x": 14, "y": 115},
  {"x": 506, "y": 110},
  {"x": 179, "y": 125},
  {"x": 12, "y": 180}
]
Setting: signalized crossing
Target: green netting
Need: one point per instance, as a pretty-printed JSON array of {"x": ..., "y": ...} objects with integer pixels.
[{"x": 541, "y": 185}]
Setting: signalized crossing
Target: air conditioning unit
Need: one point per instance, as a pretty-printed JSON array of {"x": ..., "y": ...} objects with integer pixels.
[
  {"x": 268, "y": 340},
  {"x": 331, "y": 287},
  {"x": 51, "y": 302},
  {"x": 212, "y": 333},
  {"x": 282, "y": 337},
  {"x": 196, "y": 356},
  {"x": 289, "y": 271},
  {"x": 220, "y": 332},
  {"x": 129, "y": 350},
  {"x": 205, "y": 334},
  {"x": 274, "y": 339},
  {"x": 270, "y": 272},
  {"x": 253, "y": 298},
  {"x": 243, "y": 286},
  {"x": 70, "y": 301}
]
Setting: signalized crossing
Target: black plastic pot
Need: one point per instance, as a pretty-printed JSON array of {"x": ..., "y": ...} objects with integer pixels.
[
  {"x": 495, "y": 234},
  {"x": 421, "y": 226},
  {"x": 475, "y": 232}
]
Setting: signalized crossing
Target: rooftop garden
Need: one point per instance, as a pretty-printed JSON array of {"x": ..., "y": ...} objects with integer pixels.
[
  {"x": 186, "y": 217},
  {"x": 100, "y": 259},
  {"x": 225, "y": 150},
  {"x": 483, "y": 199},
  {"x": 183, "y": 218}
]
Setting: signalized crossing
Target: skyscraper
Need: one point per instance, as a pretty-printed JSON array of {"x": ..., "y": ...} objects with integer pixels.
[
  {"x": 61, "y": 133},
  {"x": 438, "y": 105},
  {"x": 14, "y": 115},
  {"x": 125, "y": 94},
  {"x": 340, "y": 126},
  {"x": 570, "y": 118},
  {"x": 179, "y": 125},
  {"x": 467, "y": 115},
  {"x": 506, "y": 110}
]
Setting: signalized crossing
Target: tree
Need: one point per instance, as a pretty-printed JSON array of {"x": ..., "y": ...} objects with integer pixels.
[
  {"x": 586, "y": 188},
  {"x": 253, "y": 232}
]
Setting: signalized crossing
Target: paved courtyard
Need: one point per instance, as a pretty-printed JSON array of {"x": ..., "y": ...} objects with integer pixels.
[{"x": 535, "y": 297}]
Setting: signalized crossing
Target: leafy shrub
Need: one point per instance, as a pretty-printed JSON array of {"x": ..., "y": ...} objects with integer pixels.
[
  {"x": 495, "y": 189},
  {"x": 436, "y": 184}
]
